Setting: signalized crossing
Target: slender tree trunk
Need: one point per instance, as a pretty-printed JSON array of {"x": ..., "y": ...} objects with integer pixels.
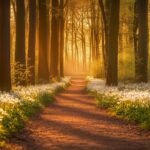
[
  {"x": 113, "y": 31},
  {"x": 55, "y": 54},
  {"x": 62, "y": 25},
  {"x": 103, "y": 49},
  {"x": 48, "y": 33},
  {"x": 72, "y": 30},
  {"x": 93, "y": 44},
  {"x": 142, "y": 49},
  {"x": 77, "y": 52},
  {"x": 83, "y": 43},
  {"x": 20, "y": 56},
  {"x": 43, "y": 71},
  {"x": 32, "y": 40},
  {"x": 105, "y": 11},
  {"x": 135, "y": 34},
  {"x": 5, "y": 76},
  {"x": 97, "y": 37},
  {"x": 66, "y": 41}
]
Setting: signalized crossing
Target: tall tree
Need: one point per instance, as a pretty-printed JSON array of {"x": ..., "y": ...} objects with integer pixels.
[
  {"x": 112, "y": 53},
  {"x": 105, "y": 11},
  {"x": 20, "y": 56},
  {"x": 111, "y": 26},
  {"x": 93, "y": 18},
  {"x": 43, "y": 70},
  {"x": 54, "y": 65},
  {"x": 32, "y": 40},
  {"x": 61, "y": 26},
  {"x": 5, "y": 76},
  {"x": 83, "y": 41},
  {"x": 142, "y": 48}
]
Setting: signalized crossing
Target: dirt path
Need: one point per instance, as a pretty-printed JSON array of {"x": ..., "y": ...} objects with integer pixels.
[{"x": 74, "y": 123}]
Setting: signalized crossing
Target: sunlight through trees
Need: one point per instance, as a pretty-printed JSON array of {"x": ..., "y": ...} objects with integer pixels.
[{"x": 48, "y": 39}]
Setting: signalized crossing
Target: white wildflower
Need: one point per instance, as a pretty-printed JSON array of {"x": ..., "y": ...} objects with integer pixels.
[{"x": 131, "y": 92}]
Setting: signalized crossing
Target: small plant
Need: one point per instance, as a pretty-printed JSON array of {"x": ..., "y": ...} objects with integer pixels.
[
  {"x": 13, "y": 121},
  {"x": 105, "y": 102},
  {"x": 45, "y": 98},
  {"x": 135, "y": 111}
]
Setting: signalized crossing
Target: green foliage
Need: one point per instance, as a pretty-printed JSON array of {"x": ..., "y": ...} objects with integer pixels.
[
  {"x": 16, "y": 115},
  {"x": 29, "y": 108},
  {"x": 13, "y": 122},
  {"x": 104, "y": 101},
  {"x": 20, "y": 73},
  {"x": 45, "y": 98},
  {"x": 133, "y": 111}
]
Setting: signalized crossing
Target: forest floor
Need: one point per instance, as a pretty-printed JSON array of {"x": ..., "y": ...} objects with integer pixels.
[{"x": 74, "y": 123}]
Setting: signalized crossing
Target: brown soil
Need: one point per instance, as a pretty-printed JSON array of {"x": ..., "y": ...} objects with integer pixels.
[{"x": 74, "y": 123}]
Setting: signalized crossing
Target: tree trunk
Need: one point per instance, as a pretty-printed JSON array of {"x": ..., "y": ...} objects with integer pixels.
[
  {"x": 113, "y": 31},
  {"x": 105, "y": 11},
  {"x": 103, "y": 49},
  {"x": 20, "y": 56},
  {"x": 5, "y": 76},
  {"x": 32, "y": 40},
  {"x": 48, "y": 33},
  {"x": 62, "y": 25},
  {"x": 135, "y": 34},
  {"x": 72, "y": 35},
  {"x": 142, "y": 49},
  {"x": 83, "y": 43},
  {"x": 55, "y": 55},
  {"x": 43, "y": 71}
]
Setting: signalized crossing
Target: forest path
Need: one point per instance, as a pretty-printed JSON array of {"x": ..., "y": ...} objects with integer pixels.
[{"x": 74, "y": 123}]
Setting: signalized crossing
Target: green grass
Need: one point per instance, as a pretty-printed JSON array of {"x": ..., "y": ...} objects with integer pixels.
[{"x": 132, "y": 111}]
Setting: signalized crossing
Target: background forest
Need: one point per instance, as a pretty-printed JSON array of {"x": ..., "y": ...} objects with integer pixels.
[{"x": 68, "y": 37}]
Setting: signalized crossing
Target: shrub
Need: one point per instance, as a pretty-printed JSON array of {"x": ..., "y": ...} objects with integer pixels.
[
  {"x": 45, "y": 98},
  {"x": 105, "y": 102}
]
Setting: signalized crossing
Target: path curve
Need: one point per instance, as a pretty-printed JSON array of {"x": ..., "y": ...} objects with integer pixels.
[{"x": 74, "y": 123}]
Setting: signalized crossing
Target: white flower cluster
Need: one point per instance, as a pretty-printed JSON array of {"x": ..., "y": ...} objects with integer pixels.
[
  {"x": 9, "y": 98},
  {"x": 21, "y": 94},
  {"x": 123, "y": 91}
]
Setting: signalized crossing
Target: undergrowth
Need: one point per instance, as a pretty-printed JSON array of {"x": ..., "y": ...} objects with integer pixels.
[
  {"x": 16, "y": 115},
  {"x": 132, "y": 111}
]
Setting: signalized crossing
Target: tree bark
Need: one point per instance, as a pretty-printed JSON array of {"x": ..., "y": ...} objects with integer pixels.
[
  {"x": 5, "y": 75},
  {"x": 55, "y": 54},
  {"x": 32, "y": 40},
  {"x": 61, "y": 26},
  {"x": 20, "y": 56},
  {"x": 142, "y": 48},
  {"x": 43, "y": 70},
  {"x": 112, "y": 53}
]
